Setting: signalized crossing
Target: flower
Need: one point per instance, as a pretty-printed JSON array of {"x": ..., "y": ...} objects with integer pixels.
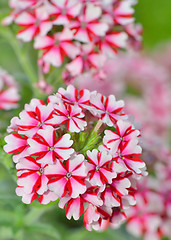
[
  {"x": 48, "y": 148},
  {"x": 108, "y": 108},
  {"x": 33, "y": 24},
  {"x": 98, "y": 168},
  {"x": 31, "y": 176},
  {"x": 124, "y": 134},
  {"x": 65, "y": 11},
  {"x": 87, "y": 25},
  {"x": 34, "y": 117},
  {"x": 63, "y": 150},
  {"x": 73, "y": 116},
  {"x": 67, "y": 179},
  {"x": 16, "y": 144},
  {"x": 9, "y": 96},
  {"x": 57, "y": 46}
]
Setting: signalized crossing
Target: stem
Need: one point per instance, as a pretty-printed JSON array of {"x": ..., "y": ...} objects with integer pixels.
[
  {"x": 28, "y": 69},
  {"x": 98, "y": 125}
]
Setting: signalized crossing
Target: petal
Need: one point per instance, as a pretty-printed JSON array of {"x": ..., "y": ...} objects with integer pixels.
[
  {"x": 28, "y": 182},
  {"x": 48, "y": 135},
  {"x": 43, "y": 185},
  {"x": 42, "y": 42},
  {"x": 77, "y": 187},
  {"x": 98, "y": 29},
  {"x": 36, "y": 148},
  {"x": 58, "y": 186},
  {"x": 74, "y": 209},
  {"x": 92, "y": 12},
  {"x": 27, "y": 34},
  {"x": 54, "y": 57},
  {"x": 47, "y": 197},
  {"x": 25, "y": 18}
]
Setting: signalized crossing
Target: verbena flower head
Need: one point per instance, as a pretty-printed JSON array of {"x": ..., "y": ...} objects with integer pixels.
[
  {"x": 9, "y": 95},
  {"x": 80, "y": 149},
  {"x": 62, "y": 29}
]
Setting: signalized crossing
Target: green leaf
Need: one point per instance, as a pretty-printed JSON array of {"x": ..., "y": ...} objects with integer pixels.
[{"x": 44, "y": 229}]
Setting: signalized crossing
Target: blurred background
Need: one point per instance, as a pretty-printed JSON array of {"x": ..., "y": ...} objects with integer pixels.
[{"x": 17, "y": 222}]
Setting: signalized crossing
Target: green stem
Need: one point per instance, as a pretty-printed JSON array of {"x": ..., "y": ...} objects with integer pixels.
[
  {"x": 36, "y": 212},
  {"x": 28, "y": 69}
]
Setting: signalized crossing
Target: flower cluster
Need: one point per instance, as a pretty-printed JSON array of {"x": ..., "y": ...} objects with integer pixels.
[
  {"x": 81, "y": 150},
  {"x": 86, "y": 32},
  {"x": 152, "y": 213},
  {"x": 9, "y": 96},
  {"x": 150, "y": 218}
]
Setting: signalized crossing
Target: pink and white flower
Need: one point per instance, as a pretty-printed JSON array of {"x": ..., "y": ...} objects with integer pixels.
[
  {"x": 127, "y": 155},
  {"x": 9, "y": 96},
  {"x": 74, "y": 97},
  {"x": 36, "y": 23},
  {"x": 111, "y": 42},
  {"x": 56, "y": 47},
  {"x": 97, "y": 183},
  {"x": 86, "y": 60},
  {"x": 48, "y": 147},
  {"x": 32, "y": 120},
  {"x": 98, "y": 168},
  {"x": 124, "y": 133},
  {"x": 31, "y": 176},
  {"x": 108, "y": 109},
  {"x": 65, "y": 11},
  {"x": 16, "y": 144},
  {"x": 67, "y": 179},
  {"x": 75, "y": 207},
  {"x": 113, "y": 192},
  {"x": 72, "y": 116},
  {"x": 87, "y": 25}
]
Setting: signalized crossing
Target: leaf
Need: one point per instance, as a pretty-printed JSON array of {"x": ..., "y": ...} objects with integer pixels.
[{"x": 44, "y": 229}]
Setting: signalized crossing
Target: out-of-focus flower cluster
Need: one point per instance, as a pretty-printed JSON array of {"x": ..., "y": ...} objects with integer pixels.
[
  {"x": 9, "y": 96},
  {"x": 81, "y": 150},
  {"x": 146, "y": 85},
  {"x": 82, "y": 32},
  {"x": 151, "y": 217}
]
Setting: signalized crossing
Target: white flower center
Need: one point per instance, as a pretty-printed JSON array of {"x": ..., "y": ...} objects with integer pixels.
[
  {"x": 41, "y": 171},
  {"x": 83, "y": 25},
  {"x": 40, "y": 124},
  {"x": 68, "y": 175},
  {"x": 52, "y": 148},
  {"x": 97, "y": 168},
  {"x": 120, "y": 155}
]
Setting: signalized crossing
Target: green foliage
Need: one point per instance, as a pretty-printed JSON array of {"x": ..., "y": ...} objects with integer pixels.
[
  {"x": 155, "y": 16},
  {"x": 37, "y": 222}
]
